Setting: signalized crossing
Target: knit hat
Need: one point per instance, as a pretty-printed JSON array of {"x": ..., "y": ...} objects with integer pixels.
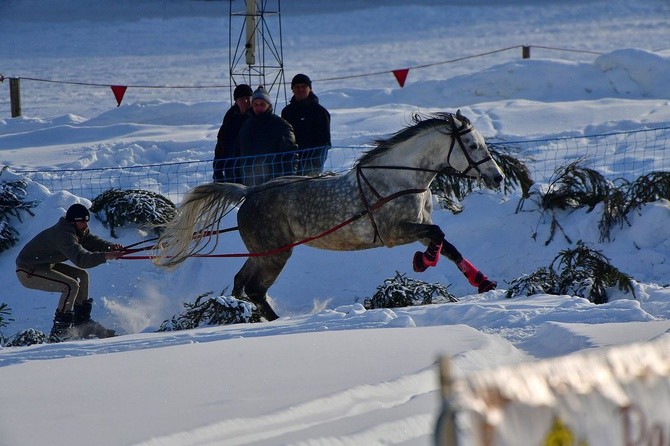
[
  {"x": 241, "y": 91},
  {"x": 260, "y": 93},
  {"x": 301, "y": 79},
  {"x": 77, "y": 212}
]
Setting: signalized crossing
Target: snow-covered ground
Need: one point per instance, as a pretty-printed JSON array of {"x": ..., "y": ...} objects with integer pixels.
[{"x": 328, "y": 371}]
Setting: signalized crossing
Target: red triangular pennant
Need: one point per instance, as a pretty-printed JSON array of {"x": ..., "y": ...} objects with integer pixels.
[
  {"x": 401, "y": 75},
  {"x": 119, "y": 91}
]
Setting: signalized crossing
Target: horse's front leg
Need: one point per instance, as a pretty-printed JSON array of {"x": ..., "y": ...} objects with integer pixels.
[{"x": 439, "y": 245}]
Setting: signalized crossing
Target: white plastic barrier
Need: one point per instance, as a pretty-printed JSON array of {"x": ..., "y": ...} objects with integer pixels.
[{"x": 608, "y": 397}]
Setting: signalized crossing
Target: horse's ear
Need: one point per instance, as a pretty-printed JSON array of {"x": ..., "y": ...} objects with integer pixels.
[
  {"x": 462, "y": 118},
  {"x": 450, "y": 119}
]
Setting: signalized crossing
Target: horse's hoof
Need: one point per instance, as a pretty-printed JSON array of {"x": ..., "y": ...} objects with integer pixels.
[
  {"x": 265, "y": 309},
  {"x": 417, "y": 262},
  {"x": 487, "y": 285}
]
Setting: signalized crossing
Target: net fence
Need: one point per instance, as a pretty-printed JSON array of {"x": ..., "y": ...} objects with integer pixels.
[{"x": 625, "y": 154}]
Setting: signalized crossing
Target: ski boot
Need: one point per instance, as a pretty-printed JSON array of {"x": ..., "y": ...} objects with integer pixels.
[
  {"x": 87, "y": 327},
  {"x": 62, "y": 327}
]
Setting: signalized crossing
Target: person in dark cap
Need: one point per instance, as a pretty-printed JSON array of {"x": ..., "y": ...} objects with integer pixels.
[
  {"x": 267, "y": 140},
  {"x": 225, "y": 161},
  {"x": 311, "y": 123},
  {"x": 41, "y": 266}
]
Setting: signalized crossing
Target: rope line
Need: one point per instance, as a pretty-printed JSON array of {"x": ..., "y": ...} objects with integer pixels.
[{"x": 327, "y": 79}]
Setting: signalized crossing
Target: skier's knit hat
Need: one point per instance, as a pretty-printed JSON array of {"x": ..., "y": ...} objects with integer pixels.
[
  {"x": 260, "y": 93},
  {"x": 241, "y": 91},
  {"x": 301, "y": 79},
  {"x": 77, "y": 212}
]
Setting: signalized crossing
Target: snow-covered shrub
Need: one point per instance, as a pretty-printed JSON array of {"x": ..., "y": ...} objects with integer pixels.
[
  {"x": 116, "y": 208},
  {"x": 450, "y": 187},
  {"x": 402, "y": 291},
  {"x": 628, "y": 196},
  {"x": 12, "y": 204},
  {"x": 208, "y": 310},
  {"x": 578, "y": 272},
  {"x": 573, "y": 187},
  {"x": 28, "y": 337}
]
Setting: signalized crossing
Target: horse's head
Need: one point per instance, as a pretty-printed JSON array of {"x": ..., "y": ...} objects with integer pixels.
[
  {"x": 468, "y": 153},
  {"x": 423, "y": 147}
]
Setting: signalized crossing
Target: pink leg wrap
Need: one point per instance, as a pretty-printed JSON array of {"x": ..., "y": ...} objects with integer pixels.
[
  {"x": 474, "y": 276},
  {"x": 422, "y": 260}
]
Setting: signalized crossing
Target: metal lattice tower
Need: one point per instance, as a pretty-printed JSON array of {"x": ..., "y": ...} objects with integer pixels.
[{"x": 255, "y": 57}]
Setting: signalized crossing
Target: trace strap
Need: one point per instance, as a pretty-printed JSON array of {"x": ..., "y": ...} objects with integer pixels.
[{"x": 360, "y": 214}]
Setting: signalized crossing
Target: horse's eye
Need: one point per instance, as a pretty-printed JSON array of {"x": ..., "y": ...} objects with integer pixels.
[{"x": 473, "y": 146}]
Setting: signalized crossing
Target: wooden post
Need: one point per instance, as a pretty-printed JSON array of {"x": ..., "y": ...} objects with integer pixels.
[
  {"x": 525, "y": 52},
  {"x": 446, "y": 431},
  {"x": 15, "y": 96}
]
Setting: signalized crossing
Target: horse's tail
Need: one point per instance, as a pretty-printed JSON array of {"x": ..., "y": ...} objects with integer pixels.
[{"x": 202, "y": 210}]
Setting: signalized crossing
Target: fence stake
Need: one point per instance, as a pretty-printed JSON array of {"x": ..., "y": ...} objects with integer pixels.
[
  {"x": 15, "y": 96},
  {"x": 525, "y": 52}
]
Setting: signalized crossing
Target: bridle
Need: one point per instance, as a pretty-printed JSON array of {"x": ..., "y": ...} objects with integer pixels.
[{"x": 456, "y": 133}]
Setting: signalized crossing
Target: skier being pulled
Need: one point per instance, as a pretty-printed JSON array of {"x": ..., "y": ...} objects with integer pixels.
[{"x": 40, "y": 266}]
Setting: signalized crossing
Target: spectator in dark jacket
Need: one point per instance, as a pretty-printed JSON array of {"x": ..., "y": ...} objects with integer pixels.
[
  {"x": 225, "y": 168},
  {"x": 267, "y": 138},
  {"x": 311, "y": 123}
]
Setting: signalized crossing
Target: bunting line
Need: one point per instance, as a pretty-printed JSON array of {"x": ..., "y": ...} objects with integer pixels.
[{"x": 399, "y": 74}]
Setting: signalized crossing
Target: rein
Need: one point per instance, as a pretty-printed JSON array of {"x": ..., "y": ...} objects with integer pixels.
[{"x": 350, "y": 220}]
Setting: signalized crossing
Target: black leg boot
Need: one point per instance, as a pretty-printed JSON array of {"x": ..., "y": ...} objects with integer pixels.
[
  {"x": 62, "y": 327},
  {"x": 87, "y": 327}
]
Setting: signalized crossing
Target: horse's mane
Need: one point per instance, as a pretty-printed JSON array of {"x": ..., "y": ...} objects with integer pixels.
[{"x": 420, "y": 123}]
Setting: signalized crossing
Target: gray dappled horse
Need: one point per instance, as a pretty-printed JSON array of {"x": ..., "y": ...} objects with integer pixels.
[{"x": 384, "y": 200}]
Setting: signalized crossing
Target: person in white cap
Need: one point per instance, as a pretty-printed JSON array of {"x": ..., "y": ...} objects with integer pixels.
[{"x": 268, "y": 141}]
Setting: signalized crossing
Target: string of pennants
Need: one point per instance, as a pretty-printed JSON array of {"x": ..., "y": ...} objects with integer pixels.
[
  {"x": 400, "y": 75},
  {"x": 120, "y": 90}
]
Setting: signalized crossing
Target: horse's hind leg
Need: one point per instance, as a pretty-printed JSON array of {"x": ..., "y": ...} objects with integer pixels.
[{"x": 256, "y": 277}]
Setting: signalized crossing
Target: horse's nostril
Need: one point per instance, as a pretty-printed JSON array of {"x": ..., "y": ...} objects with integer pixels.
[{"x": 498, "y": 179}]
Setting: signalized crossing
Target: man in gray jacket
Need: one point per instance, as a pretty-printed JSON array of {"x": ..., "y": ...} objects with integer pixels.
[{"x": 40, "y": 266}]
